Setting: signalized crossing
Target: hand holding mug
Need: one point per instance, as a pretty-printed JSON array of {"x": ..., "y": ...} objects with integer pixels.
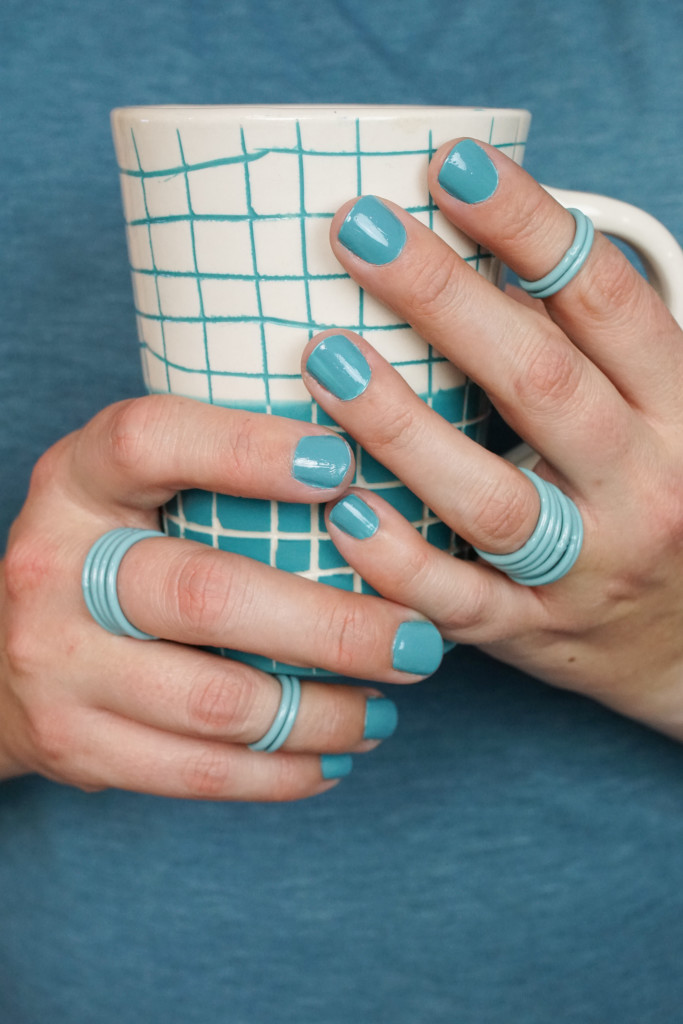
[{"x": 591, "y": 377}]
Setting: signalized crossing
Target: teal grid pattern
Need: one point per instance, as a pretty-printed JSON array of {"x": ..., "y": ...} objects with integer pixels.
[{"x": 232, "y": 273}]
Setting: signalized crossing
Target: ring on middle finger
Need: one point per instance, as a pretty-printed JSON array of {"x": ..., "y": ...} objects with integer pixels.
[{"x": 553, "y": 547}]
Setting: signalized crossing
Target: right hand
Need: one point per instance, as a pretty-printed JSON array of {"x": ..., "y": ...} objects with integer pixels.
[{"x": 81, "y": 706}]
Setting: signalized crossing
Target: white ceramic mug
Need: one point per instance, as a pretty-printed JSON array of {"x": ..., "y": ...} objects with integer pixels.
[{"x": 227, "y": 215}]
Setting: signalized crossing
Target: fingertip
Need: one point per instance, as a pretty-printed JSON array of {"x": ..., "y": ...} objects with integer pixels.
[
  {"x": 467, "y": 171},
  {"x": 335, "y": 766},
  {"x": 336, "y": 362}
]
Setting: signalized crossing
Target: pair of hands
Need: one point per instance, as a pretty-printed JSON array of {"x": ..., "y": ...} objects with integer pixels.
[{"x": 591, "y": 378}]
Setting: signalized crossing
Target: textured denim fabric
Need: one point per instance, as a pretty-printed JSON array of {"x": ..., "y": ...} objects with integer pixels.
[{"x": 512, "y": 854}]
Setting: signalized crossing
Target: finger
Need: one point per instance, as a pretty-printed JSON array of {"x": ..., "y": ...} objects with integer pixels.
[
  {"x": 483, "y": 498},
  {"x": 139, "y": 453},
  {"x": 607, "y": 309},
  {"x": 547, "y": 390},
  {"x": 196, "y": 595},
  {"x": 470, "y": 603},
  {"x": 196, "y": 694},
  {"x": 105, "y": 751}
]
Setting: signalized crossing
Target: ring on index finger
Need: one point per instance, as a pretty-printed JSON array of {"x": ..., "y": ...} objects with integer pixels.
[{"x": 99, "y": 580}]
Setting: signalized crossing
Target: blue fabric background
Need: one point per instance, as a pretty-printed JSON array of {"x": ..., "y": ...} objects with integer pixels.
[{"x": 513, "y": 853}]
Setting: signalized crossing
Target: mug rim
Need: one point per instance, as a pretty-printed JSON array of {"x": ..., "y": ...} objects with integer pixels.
[{"x": 271, "y": 111}]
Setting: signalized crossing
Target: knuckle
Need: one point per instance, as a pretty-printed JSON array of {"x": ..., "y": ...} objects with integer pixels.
[
  {"x": 394, "y": 428},
  {"x": 50, "y": 737},
  {"x": 288, "y": 782},
  {"x": 30, "y": 562},
  {"x": 470, "y": 618},
  {"x": 207, "y": 775},
  {"x": 412, "y": 572},
  {"x": 611, "y": 283},
  {"x": 343, "y": 631},
  {"x": 547, "y": 377},
  {"x": 502, "y": 514},
  {"x": 436, "y": 286},
  {"x": 202, "y": 594},
  {"x": 242, "y": 442},
  {"x": 21, "y": 648},
  {"x": 49, "y": 467},
  {"x": 219, "y": 707},
  {"x": 331, "y": 722},
  {"x": 130, "y": 428},
  {"x": 525, "y": 227}
]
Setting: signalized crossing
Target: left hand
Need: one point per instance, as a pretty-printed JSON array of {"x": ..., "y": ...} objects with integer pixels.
[{"x": 592, "y": 379}]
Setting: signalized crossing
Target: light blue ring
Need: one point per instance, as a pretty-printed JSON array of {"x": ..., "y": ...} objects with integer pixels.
[
  {"x": 548, "y": 525},
  {"x": 550, "y": 550},
  {"x": 542, "y": 541},
  {"x": 569, "y": 265},
  {"x": 554, "y": 545},
  {"x": 99, "y": 578},
  {"x": 285, "y": 718},
  {"x": 570, "y": 555}
]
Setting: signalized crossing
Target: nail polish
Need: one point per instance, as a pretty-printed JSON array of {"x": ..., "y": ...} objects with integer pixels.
[
  {"x": 354, "y": 516},
  {"x": 339, "y": 366},
  {"x": 335, "y": 766},
  {"x": 322, "y": 460},
  {"x": 372, "y": 232},
  {"x": 381, "y": 718},
  {"x": 468, "y": 173},
  {"x": 418, "y": 648}
]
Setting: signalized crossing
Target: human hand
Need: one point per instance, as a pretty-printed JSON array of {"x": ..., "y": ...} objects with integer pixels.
[
  {"x": 591, "y": 378},
  {"x": 85, "y": 707}
]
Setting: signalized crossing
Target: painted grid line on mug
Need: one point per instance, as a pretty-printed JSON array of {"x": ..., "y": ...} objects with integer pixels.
[{"x": 214, "y": 304}]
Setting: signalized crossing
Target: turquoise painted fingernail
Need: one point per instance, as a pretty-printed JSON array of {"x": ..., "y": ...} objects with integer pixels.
[
  {"x": 448, "y": 646},
  {"x": 418, "y": 648},
  {"x": 354, "y": 516},
  {"x": 371, "y": 231},
  {"x": 321, "y": 461},
  {"x": 468, "y": 173},
  {"x": 339, "y": 366},
  {"x": 335, "y": 766},
  {"x": 381, "y": 718}
]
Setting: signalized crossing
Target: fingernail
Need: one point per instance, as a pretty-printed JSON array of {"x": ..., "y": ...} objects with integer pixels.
[
  {"x": 335, "y": 766},
  {"x": 371, "y": 231},
  {"x": 418, "y": 648},
  {"x": 448, "y": 646},
  {"x": 468, "y": 173},
  {"x": 339, "y": 366},
  {"x": 353, "y": 516},
  {"x": 381, "y": 718},
  {"x": 322, "y": 460}
]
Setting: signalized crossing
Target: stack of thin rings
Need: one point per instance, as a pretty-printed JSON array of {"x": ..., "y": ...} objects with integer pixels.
[
  {"x": 553, "y": 547},
  {"x": 99, "y": 580}
]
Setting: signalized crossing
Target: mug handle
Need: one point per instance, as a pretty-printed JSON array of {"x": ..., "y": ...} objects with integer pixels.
[{"x": 658, "y": 250}]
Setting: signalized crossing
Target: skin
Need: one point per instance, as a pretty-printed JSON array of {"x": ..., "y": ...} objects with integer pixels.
[{"x": 591, "y": 379}]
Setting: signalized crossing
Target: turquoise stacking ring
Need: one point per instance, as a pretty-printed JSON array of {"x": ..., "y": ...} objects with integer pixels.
[
  {"x": 569, "y": 265},
  {"x": 99, "y": 579},
  {"x": 284, "y": 720},
  {"x": 554, "y": 545}
]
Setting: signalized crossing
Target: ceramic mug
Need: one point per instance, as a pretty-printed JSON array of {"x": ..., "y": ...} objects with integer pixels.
[{"x": 227, "y": 212}]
